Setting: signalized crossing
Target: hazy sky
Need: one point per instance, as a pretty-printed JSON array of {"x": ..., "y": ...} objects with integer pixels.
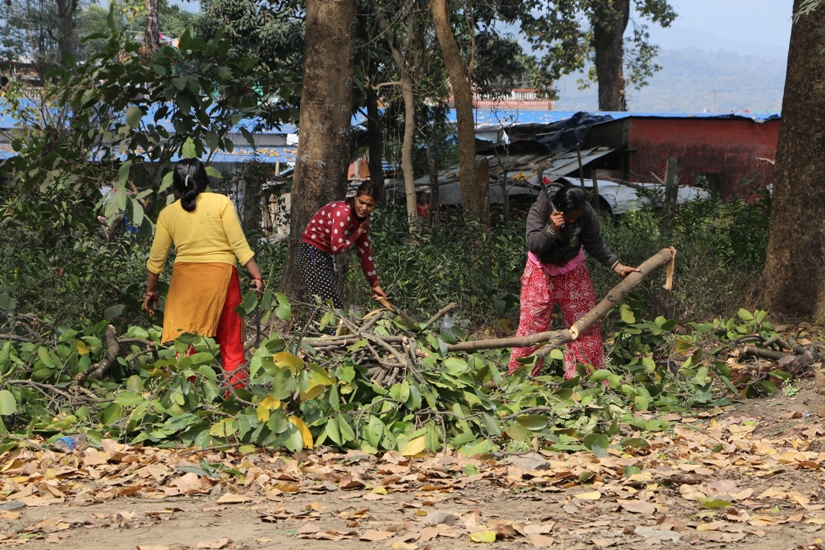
[
  {"x": 760, "y": 27},
  {"x": 732, "y": 25}
]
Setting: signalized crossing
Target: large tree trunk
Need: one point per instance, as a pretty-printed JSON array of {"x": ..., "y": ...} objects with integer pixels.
[
  {"x": 608, "y": 39},
  {"x": 326, "y": 110},
  {"x": 151, "y": 34},
  {"x": 795, "y": 280},
  {"x": 65, "y": 34},
  {"x": 474, "y": 199}
]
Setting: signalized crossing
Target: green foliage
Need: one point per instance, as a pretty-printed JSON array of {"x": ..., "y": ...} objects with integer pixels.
[
  {"x": 564, "y": 45},
  {"x": 131, "y": 118},
  {"x": 300, "y": 398},
  {"x": 453, "y": 261},
  {"x": 722, "y": 247}
]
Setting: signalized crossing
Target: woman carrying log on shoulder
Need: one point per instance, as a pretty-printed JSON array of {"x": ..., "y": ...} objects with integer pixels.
[
  {"x": 561, "y": 226},
  {"x": 205, "y": 289},
  {"x": 335, "y": 228}
]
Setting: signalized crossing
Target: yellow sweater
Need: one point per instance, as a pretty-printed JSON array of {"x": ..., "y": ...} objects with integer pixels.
[{"x": 211, "y": 233}]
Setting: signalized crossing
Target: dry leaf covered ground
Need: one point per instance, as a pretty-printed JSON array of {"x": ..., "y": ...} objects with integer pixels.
[{"x": 749, "y": 476}]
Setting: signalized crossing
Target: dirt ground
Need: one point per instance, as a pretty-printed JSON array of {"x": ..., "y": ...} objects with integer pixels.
[{"x": 748, "y": 476}]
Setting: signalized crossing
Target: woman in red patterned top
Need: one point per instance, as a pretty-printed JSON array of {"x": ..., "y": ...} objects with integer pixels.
[{"x": 335, "y": 228}]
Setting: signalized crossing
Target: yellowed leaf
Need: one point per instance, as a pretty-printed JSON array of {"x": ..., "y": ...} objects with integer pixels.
[
  {"x": 414, "y": 446},
  {"x": 312, "y": 392},
  {"x": 305, "y": 435},
  {"x": 270, "y": 403},
  {"x": 483, "y": 536},
  {"x": 379, "y": 490},
  {"x": 263, "y": 414},
  {"x": 591, "y": 495},
  {"x": 286, "y": 360},
  {"x": 82, "y": 348}
]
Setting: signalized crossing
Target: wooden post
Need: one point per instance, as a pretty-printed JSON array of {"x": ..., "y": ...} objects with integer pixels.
[
  {"x": 581, "y": 166},
  {"x": 671, "y": 194}
]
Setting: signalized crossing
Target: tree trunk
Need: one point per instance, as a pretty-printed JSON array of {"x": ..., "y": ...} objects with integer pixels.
[
  {"x": 409, "y": 123},
  {"x": 326, "y": 110},
  {"x": 409, "y": 106},
  {"x": 795, "y": 281},
  {"x": 253, "y": 176},
  {"x": 65, "y": 34},
  {"x": 432, "y": 171},
  {"x": 473, "y": 199},
  {"x": 608, "y": 39},
  {"x": 375, "y": 140},
  {"x": 151, "y": 35}
]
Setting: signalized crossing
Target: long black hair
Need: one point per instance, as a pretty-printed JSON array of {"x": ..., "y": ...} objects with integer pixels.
[
  {"x": 570, "y": 199},
  {"x": 189, "y": 179}
]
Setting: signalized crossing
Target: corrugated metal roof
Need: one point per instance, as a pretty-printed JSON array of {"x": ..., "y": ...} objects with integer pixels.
[{"x": 486, "y": 118}]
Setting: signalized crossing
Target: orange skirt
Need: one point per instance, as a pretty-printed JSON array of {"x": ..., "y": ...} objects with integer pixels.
[{"x": 196, "y": 298}]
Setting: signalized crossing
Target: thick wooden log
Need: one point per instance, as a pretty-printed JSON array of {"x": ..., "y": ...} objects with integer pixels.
[{"x": 559, "y": 337}]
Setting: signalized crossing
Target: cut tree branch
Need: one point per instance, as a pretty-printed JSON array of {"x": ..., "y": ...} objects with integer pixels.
[
  {"x": 96, "y": 371},
  {"x": 560, "y": 337}
]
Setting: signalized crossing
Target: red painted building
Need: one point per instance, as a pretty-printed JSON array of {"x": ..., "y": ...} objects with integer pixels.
[{"x": 732, "y": 152}]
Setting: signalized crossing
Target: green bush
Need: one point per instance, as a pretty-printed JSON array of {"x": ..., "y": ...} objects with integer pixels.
[
  {"x": 454, "y": 261},
  {"x": 722, "y": 247}
]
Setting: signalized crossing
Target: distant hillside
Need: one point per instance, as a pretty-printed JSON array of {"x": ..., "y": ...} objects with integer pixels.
[{"x": 693, "y": 80}]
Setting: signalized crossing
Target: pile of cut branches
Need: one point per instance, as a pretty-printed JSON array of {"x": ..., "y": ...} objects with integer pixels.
[{"x": 384, "y": 383}]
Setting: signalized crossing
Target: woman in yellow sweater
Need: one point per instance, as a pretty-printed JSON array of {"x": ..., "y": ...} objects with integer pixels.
[{"x": 205, "y": 289}]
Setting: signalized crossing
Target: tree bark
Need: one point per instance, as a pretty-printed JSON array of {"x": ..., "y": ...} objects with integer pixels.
[
  {"x": 609, "y": 25},
  {"x": 65, "y": 37},
  {"x": 409, "y": 105},
  {"x": 432, "y": 171},
  {"x": 326, "y": 110},
  {"x": 151, "y": 35},
  {"x": 795, "y": 281},
  {"x": 375, "y": 140},
  {"x": 473, "y": 199}
]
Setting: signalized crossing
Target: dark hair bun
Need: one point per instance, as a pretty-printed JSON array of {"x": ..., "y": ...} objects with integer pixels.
[{"x": 188, "y": 198}]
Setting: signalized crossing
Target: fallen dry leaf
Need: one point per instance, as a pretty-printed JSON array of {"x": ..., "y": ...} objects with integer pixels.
[
  {"x": 374, "y": 535},
  {"x": 539, "y": 528},
  {"x": 591, "y": 495},
  {"x": 540, "y": 541},
  {"x": 638, "y": 507},
  {"x": 220, "y": 543},
  {"x": 231, "y": 498},
  {"x": 724, "y": 537}
]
